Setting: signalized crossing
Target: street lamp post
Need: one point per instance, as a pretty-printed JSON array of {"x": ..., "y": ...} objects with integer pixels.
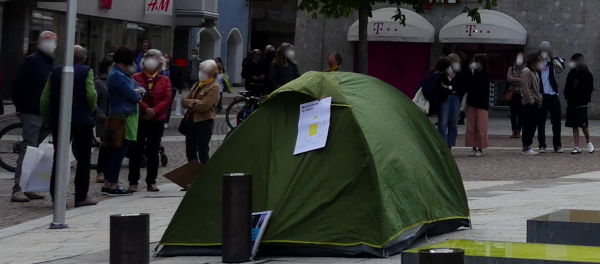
[{"x": 63, "y": 169}]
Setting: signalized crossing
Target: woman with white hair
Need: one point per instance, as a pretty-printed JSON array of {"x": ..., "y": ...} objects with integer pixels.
[
  {"x": 154, "y": 108},
  {"x": 201, "y": 104}
]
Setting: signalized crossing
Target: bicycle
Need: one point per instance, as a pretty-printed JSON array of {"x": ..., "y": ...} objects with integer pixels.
[
  {"x": 241, "y": 108},
  {"x": 11, "y": 138}
]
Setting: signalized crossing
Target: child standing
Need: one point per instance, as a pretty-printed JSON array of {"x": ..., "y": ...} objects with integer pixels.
[{"x": 578, "y": 92}]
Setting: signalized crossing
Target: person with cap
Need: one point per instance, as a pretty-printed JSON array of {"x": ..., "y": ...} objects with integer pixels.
[
  {"x": 550, "y": 98},
  {"x": 578, "y": 92},
  {"x": 26, "y": 93}
]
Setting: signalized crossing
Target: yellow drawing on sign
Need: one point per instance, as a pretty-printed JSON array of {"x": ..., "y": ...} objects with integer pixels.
[{"x": 312, "y": 130}]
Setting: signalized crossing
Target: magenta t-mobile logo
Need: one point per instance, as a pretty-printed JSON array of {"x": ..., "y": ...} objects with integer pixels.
[
  {"x": 377, "y": 27},
  {"x": 471, "y": 29}
]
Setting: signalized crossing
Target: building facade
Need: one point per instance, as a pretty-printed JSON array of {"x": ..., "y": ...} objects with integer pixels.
[
  {"x": 571, "y": 26},
  {"x": 227, "y": 39},
  {"x": 101, "y": 27}
]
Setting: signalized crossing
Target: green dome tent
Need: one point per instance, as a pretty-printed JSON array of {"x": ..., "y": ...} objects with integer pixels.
[{"x": 384, "y": 179}]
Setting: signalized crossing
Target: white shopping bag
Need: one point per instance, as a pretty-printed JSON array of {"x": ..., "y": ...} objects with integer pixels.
[
  {"x": 421, "y": 101},
  {"x": 37, "y": 168},
  {"x": 178, "y": 106}
]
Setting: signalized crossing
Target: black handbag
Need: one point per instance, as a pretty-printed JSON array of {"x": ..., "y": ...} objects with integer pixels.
[{"x": 186, "y": 124}]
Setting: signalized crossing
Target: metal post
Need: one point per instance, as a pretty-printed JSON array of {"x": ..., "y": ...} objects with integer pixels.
[
  {"x": 237, "y": 218},
  {"x": 442, "y": 256},
  {"x": 130, "y": 238},
  {"x": 63, "y": 169}
]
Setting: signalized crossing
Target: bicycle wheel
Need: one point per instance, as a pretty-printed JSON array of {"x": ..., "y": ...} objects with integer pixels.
[
  {"x": 235, "y": 112},
  {"x": 11, "y": 138}
]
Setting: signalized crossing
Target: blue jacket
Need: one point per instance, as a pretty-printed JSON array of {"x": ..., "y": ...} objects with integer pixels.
[
  {"x": 29, "y": 82},
  {"x": 122, "y": 98}
]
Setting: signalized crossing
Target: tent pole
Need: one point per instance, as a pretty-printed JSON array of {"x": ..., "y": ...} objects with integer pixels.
[{"x": 63, "y": 169}]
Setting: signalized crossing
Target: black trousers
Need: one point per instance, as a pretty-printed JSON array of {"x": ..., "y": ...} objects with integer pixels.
[
  {"x": 148, "y": 143},
  {"x": 173, "y": 94},
  {"x": 81, "y": 140},
  {"x": 516, "y": 107},
  {"x": 550, "y": 104},
  {"x": 197, "y": 141},
  {"x": 102, "y": 160},
  {"x": 529, "y": 118}
]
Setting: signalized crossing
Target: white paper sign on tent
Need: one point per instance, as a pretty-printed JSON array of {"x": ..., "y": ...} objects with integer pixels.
[{"x": 313, "y": 125}]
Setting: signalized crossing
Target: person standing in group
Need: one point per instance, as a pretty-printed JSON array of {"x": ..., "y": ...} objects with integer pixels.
[
  {"x": 201, "y": 104},
  {"x": 222, "y": 81},
  {"x": 531, "y": 99},
  {"x": 122, "y": 124},
  {"x": 82, "y": 120},
  {"x": 194, "y": 64},
  {"x": 140, "y": 55},
  {"x": 513, "y": 76},
  {"x": 26, "y": 93},
  {"x": 153, "y": 114},
  {"x": 478, "y": 89},
  {"x": 268, "y": 56},
  {"x": 578, "y": 92},
  {"x": 284, "y": 69},
  {"x": 451, "y": 90},
  {"x": 551, "y": 101},
  {"x": 101, "y": 114},
  {"x": 334, "y": 61},
  {"x": 255, "y": 73},
  {"x": 175, "y": 76}
]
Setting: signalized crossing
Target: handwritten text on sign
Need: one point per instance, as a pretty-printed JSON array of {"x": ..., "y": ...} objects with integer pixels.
[{"x": 159, "y": 7}]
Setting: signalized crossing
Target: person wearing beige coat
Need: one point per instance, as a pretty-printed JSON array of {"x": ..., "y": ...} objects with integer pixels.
[
  {"x": 201, "y": 104},
  {"x": 532, "y": 101}
]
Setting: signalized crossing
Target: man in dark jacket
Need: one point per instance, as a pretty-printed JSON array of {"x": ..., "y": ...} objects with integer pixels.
[
  {"x": 578, "y": 92},
  {"x": 82, "y": 120},
  {"x": 255, "y": 73},
  {"x": 551, "y": 101},
  {"x": 26, "y": 91}
]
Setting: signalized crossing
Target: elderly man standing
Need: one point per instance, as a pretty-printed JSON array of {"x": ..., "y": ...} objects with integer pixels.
[
  {"x": 551, "y": 101},
  {"x": 26, "y": 91},
  {"x": 82, "y": 120}
]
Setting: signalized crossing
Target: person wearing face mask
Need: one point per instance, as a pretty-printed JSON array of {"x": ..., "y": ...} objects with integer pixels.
[
  {"x": 124, "y": 97},
  {"x": 201, "y": 104},
  {"x": 451, "y": 91},
  {"x": 531, "y": 99},
  {"x": 194, "y": 64},
  {"x": 477, "y": 83},
  {"x": 284, "y": 68},
  {"x": 578, "y": 92},
  {"x": 551, "y": 101},
  {"x": 153, "y": 115},
  {"x": 26, "y": 93},
  {"x": 334, "y": 61},
  {"x": 513, "y": 76}
]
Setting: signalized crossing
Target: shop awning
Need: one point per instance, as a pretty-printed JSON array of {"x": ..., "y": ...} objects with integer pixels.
[
  {"x": 495, "y": 28},
  {"x": 382, "y": 27}
]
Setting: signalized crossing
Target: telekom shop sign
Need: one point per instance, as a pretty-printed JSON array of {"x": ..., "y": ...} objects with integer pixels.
[{"x": 159, "y": 7}]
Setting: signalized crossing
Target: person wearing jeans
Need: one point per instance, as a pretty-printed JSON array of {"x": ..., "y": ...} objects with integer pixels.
[
  {"x": 154, "y": 108},
  {"x": 550, "y": 98},
  {"x": 82, "y": 121},
  {"x": 26, "y": 93},
  {"x": 201, "y": 104},
  {"x": 531, "y": 100},
  {"x": 451, "y": 92}
]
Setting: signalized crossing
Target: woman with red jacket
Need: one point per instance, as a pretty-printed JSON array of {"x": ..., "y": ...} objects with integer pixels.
[{"x": 153, "y": 114}]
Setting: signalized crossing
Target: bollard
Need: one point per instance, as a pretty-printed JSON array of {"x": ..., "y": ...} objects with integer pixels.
[
  {"x": 237, "y": 217},
  {"x": 129, "y": 238},
  {"x": 442, "y": 256}
]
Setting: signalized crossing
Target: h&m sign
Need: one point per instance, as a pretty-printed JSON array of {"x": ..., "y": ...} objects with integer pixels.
[{"x": 159, "y": 7}]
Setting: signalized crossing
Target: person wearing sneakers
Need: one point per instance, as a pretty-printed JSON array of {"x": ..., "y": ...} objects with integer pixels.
[
  {"x": 551, "y": 101},
  {"x": 531, "y": 98},
  {"x": 153, "y": 108},
  {"x": 477, "y": 83},
  {"x": 578, "y": 92}
]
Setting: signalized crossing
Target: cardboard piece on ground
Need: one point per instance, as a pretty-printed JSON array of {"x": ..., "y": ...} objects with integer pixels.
[{"x": 185, "y": 175}]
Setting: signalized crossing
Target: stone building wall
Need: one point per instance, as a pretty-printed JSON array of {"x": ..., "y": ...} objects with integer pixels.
[{"x": 571, "y": 25}]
